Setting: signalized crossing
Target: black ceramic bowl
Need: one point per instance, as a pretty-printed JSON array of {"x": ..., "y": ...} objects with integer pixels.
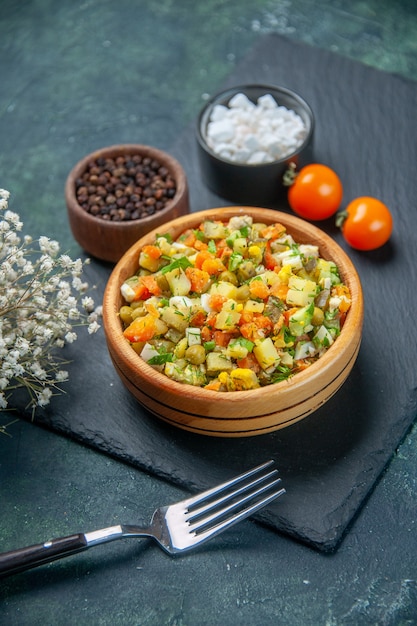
[{"x": 254, "y": 184}]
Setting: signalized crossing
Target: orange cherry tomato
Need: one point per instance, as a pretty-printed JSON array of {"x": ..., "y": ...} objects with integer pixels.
[
  {"x": 367, "y": 223},
  {"x": 316, "y": 192}
]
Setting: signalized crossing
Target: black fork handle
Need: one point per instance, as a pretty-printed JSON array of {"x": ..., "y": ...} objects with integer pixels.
[{"x": 23, "y": 559}]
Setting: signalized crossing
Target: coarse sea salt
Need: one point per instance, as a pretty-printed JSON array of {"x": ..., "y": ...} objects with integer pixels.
[{"x": 254, "y": 133}]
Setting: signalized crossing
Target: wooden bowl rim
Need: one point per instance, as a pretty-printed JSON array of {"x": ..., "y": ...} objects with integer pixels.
[
  {"x": 352, "y": 326},
  {"x": 164, "y": 158}
]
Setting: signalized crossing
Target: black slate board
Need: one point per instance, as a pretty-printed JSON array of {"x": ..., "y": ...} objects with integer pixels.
[{"x": 366, "y": 130}]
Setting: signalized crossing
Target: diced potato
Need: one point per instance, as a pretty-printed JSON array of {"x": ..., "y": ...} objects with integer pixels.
[
  {"x": 224, "y": 288},
  {"x": 161, "y": 326},
  {"x": 240, "y": 245},
  {"x": 301, "y": 292},
  {"x": 218, "y": 362},
  {"x": 180, "y": 348},
  {"x": 178, "y": 282},
  {"x": 270, "y": 277},
  {"x": 266, "y": 353},
  {"x": 227, "y": 320},
  {"x": 214, "y": 230},
  {"x": 174, "y": 335},
  {"x": 148, "y": 263},
  {"x": 254, "y": 307},
  {"x": 164, "y": 245},
  {"x": 174, "y": 318},
  {"x": 236, "y": 350}
]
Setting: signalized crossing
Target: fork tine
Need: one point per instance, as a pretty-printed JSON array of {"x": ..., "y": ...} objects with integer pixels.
[
  {"x": 205, "y": 495},
  {"x": 197, "y": 511},
  {"x": 209, "y": 533},
  {"x": 198, "y": 523}
]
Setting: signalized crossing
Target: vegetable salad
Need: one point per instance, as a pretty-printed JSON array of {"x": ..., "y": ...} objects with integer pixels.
[{"x": 234, "y": 305}]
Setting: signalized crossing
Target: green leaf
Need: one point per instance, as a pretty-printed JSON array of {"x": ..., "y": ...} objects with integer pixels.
[
  {"x": 235, "y": 260},
  {"x": 160, "y": 359},
  {"x": 166, "y": 236},
  {"x": 282, "y": 372},
  {"x": 242, "y": 341},
  {"x": 212, "y": 247},
  {"x": 181, "y": 263}
]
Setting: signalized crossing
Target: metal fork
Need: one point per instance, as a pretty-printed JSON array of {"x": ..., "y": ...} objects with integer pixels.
[{"x": 176, "y": 528}]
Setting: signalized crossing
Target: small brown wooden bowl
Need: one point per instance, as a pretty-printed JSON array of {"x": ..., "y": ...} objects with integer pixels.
[
  {"x": 109, "y": 240},
  {"x": 238, "y": 413}
]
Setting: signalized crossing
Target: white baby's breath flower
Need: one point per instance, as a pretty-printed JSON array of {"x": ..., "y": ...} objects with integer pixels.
[
  {"x": 44, "y": 397},
  {"x": 48, "y": 246},
  {"x": 93, "y": 328},
  {"x": 88, "y": 303},
  {"x": 41, "y": 299},
  {"x": 70, "y": 337},
  {"x": 14, "y": 220},
  {"x": 61, "y": 376},
  {"x": 37, "y": 370}
]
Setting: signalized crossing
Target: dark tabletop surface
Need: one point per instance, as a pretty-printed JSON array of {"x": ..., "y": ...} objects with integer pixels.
[{"x": 80, "y": 75}]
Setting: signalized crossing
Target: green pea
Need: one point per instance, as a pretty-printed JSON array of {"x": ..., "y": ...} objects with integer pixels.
[
  {"x": 195, "y": 354},
  {"x": 125, "y": 315}
]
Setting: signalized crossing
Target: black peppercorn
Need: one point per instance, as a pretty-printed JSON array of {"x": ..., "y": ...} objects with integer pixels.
[{"x": 126, "y": 188}]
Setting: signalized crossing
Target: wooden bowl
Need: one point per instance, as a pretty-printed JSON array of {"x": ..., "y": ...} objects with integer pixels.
[
  {"x": 238, "y": 413},
  {"x": 109, "y": 240}
]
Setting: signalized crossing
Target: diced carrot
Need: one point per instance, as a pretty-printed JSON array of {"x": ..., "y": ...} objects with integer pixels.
[
  {"x": 152, "y": 251},
  {"x": 199, "y": 279},
  {"x": 343, "y": 292},
  {"x": 249, "y": 331},
  {"x": 198, "y": 319},
  {"x": 211, "y": 321},
  {"x": 206, "y": 334},
  {"x": 223, "y": 249},
  {"x": 141, "y": 329},
  {"x": 258, "y": 289},
  {"x": 274, "y": 231},
  {"x": 222, "y": 338},
  {"x": 249, "y": 362},
  {"x": 270, "y": 261},
  {"x": 202, "y": 256},
  {"x": 213, "y": 266},
  {"x": 147, "y": 287},
  {"x": 200, "y": 245},
  {"x": 216, "y": 301},
  {"x": 188, "y": 238},
  {"x": 279, "y": 290},
  {"x": 259, "y": 328},
  {"x": 214, "y": 385},
  {"x": 245, "y": 317},
  {"x": 302, "y": 365}
]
